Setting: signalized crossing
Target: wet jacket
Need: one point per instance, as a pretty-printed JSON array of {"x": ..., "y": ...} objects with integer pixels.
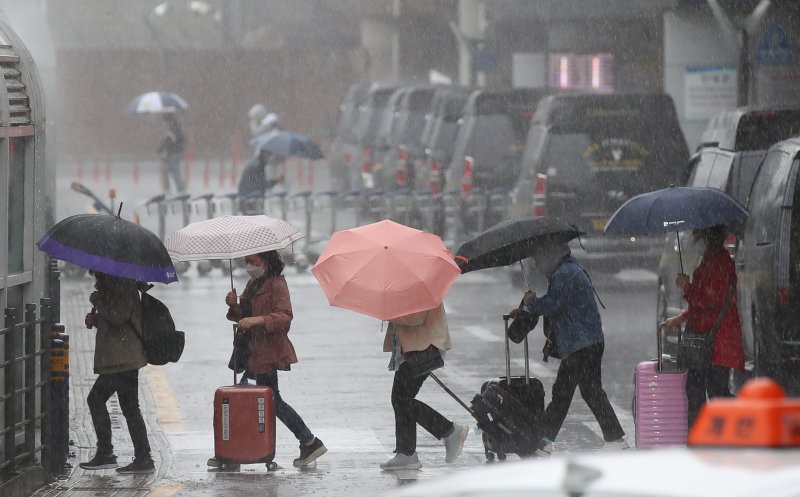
[
  {"x": 419, "y": 331},
  {"x": 706, "y": 297},
  {"x": 571, "y": 306},
  {"x": 117, "y": 348},
  {"x": 270, "y": 347}
]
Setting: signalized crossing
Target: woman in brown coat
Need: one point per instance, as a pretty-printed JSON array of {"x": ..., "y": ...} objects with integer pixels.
[{"x": 264, "y": 314}]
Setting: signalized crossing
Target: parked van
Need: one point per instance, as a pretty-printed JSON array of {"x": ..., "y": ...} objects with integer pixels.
[
  {"x": 587, "y": 154},
  {"x": 768, "y": 265},
  {"x": 399, "y": 137},
  {"x": 438, "y": 138},
  {"x": 733, "y": 146},
  {"x": 343, "y": 148},
  {"x": 370, "y": 116}
]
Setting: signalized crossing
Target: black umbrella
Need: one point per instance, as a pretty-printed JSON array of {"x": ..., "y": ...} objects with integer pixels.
[
  {"x": 511, "y": 241},
  {"x": 111, "y": 245}
]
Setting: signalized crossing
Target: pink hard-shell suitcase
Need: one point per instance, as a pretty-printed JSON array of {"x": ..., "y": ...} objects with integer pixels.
[{"x": 661, "y": 409}]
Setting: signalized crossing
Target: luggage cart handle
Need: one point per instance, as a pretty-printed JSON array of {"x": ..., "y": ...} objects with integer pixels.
[{"x": 506, "y": 317}]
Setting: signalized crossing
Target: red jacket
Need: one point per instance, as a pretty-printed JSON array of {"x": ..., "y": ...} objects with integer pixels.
[
  {"x": 706, "y": 296},
  {"x": 270, "y": 347}
]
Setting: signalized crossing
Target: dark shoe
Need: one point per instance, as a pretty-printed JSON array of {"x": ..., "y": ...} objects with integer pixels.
[
  {"x": 138, "y": 466},
  {"x": 100, "y": 461},
  {"x": 309, "y": 453}
]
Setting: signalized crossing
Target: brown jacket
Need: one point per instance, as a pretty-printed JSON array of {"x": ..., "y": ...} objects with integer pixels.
[
  {"x": 270, "y": 347},
  {"x": 117, "y": 348},
  {"x": 419, "y": 331}
]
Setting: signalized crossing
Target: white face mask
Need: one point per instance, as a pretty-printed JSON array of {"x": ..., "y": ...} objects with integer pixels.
[{"x": 254, "y": 271}]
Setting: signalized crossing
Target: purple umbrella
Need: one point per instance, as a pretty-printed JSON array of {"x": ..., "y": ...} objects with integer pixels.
[{"x": 111, "y": 245}]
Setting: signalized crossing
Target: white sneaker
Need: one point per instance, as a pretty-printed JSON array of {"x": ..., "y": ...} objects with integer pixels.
[
  {"x": 545, "y": 450},
  {"x": 454, "y": 442},
  {"x": 620, "y": 444},
  {"x": 401, "y": 461}
]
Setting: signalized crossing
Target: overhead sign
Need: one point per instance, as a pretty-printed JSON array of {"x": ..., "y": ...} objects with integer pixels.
[
  {"x": 774, "y": 48},
  {"x": 708, "y": 90}
]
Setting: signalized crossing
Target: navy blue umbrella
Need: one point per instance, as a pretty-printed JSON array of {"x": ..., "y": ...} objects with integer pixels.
[
  {"x": 110, "y": 245},
  {"x": 288, "y": 144},
  {"x": 675, "y": 209}
]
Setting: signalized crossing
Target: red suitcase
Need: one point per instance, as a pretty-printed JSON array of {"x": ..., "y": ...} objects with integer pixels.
[{"x": 244, "y": 425}]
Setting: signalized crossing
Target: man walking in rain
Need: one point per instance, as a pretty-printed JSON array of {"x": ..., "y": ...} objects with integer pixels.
[
  {"x": 570, "y": 310},
  {"x": 171, "y": 153}
]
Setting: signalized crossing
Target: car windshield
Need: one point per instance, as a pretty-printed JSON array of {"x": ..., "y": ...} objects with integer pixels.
[{"x": 759, "y": 130}]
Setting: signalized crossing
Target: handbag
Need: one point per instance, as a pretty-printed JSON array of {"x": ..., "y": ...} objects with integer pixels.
[
  {"x": 422, "y": 362},
  {"x": 694, "y": 349},
  {"x": 549, "y": 349},
  {"x": 522, "y": 325}
]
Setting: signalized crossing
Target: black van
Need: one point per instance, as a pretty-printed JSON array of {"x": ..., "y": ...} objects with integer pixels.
[
  {"x": 370, "y": 116},
  {"x": 587, "y": 154},
  {"x": 732, "y": 148},
  {"x": 768, "y": 265},
  {"x": 342, "y": 151}
]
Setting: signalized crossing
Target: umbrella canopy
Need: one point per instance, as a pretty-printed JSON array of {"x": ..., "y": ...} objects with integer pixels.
[
  {"x": 288, "y": 144},
  {"x": 156, "y": 102},
  {"x": 385, "y": 270},
  {"x": 111, "y": 245},
  {"x": 511, "y": 241},
  {"x": 675, "y": 209},
  {"x": 229, "y": 237}
]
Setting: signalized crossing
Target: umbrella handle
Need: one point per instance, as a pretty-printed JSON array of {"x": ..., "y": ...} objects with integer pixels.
[
  {"x": 680, "y": 255},
  {"x": 524, "y": 275}
]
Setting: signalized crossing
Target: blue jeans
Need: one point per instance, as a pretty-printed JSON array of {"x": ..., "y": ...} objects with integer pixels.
[{"x": 284, "y": 411}]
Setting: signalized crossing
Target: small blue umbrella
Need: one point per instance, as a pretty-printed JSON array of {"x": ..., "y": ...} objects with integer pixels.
[
  {"x": 156, "y": 102},
  {"x": 675, "y": 209},
  {"x": 288, "y": 144}
]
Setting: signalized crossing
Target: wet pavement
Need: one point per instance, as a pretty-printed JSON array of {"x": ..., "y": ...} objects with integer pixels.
[{"x": 340, "y": 387}]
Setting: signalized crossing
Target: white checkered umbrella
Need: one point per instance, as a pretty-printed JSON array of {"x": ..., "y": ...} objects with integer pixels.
[{"x": 229, "y": 237}]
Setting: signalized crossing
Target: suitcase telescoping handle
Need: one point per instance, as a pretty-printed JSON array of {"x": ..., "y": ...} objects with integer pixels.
[
  {"x": 235, "y": 328},
  {"x": 506, "y": 317}
]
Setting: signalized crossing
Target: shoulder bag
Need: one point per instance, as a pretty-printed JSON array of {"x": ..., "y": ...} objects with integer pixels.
[{"x": 694, "y": 349}]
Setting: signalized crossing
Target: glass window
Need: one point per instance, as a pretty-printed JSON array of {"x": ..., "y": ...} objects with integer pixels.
[{"x": 16, "y": 204}]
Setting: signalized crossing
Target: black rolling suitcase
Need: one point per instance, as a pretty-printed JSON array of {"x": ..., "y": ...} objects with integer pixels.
[{"x": 508, "y": 410}]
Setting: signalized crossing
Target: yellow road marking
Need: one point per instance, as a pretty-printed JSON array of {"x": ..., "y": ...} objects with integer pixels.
[
  {"x": 169, "y": 414},
  {"x": 166, "y": 490}
]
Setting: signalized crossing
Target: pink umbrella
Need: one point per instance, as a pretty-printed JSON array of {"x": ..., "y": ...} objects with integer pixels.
[{"x": 385, "y": 270}]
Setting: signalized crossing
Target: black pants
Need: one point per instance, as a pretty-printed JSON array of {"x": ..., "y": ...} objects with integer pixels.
[
  {"x": 408, "y": 411},
  {"x": 126, "y": 386},
  {"x": 711, "y": 382},
  {"x": 581, "y": 369}
]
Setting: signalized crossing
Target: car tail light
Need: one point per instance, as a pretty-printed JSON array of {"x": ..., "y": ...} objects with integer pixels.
[
  {"x": 366, "y": 160},
  {"x": 401, "y": 175},
  {"x": 540, "y": 196},
  {"x": 730, "y": 244},
  {"x": 435, "y": 182},
  {"x": 467, "y": 175},
  {"x": 784, "y": 295}
]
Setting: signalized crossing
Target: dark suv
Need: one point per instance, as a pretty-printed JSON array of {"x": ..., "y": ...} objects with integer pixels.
[
  {"x": 587, "y": 154},
  {"x": 732, "y": 148}
]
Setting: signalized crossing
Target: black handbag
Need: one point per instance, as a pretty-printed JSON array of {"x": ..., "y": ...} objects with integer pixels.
[
  {"x": 422, "y": 362},
  {"x": 522, "y": 324},
  {"x": 694, "y": 349},
  {"x": 241, "y": 353},
  {"x": 549, "y": 349}
]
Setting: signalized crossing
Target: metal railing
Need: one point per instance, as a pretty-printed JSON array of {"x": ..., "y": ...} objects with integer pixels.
[{"x": 25, "y": 399}]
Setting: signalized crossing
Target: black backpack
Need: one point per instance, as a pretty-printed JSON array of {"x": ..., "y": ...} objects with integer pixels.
[{"x": 161, "y": 342}]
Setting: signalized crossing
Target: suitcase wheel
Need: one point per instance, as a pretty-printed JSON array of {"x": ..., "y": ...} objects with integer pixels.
[
  {"x": 272, "y": 466},
  {"x": 501, "y": 457},
  {"x": 231, "y": 467},
  {"x": 490, "y": 456}
]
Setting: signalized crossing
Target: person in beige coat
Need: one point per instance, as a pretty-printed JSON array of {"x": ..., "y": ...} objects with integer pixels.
[
  {"x": 118, "y": 356},
  {"x": 415, "y": 333}
]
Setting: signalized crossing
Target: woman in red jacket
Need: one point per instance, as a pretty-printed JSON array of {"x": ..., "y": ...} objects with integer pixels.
[
  {"x": 264, "y": 314},
  {"x": 705, "y": 293}
]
